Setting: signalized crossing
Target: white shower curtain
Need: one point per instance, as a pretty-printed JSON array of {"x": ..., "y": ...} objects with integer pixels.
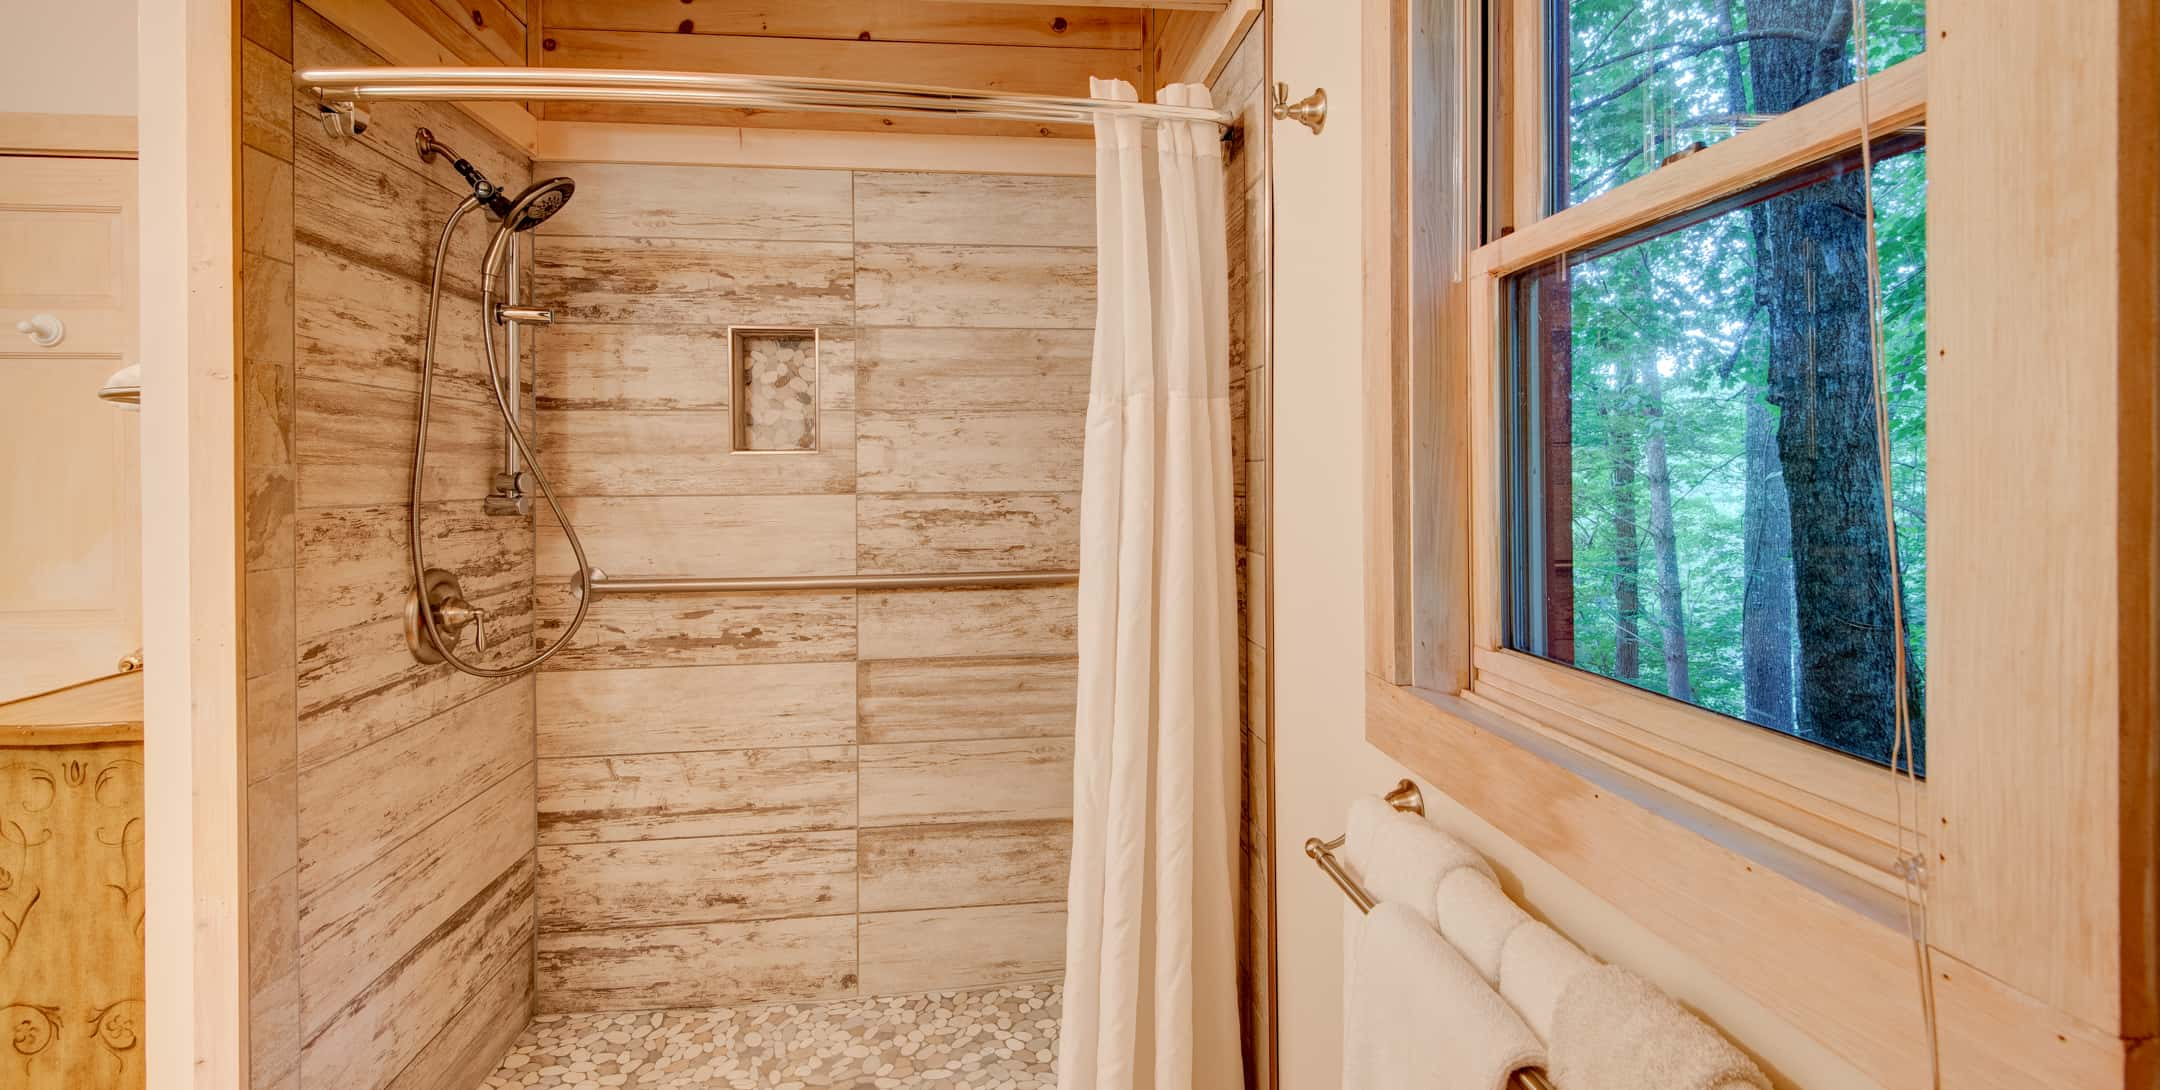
[{"x": 1151, "y": 938}]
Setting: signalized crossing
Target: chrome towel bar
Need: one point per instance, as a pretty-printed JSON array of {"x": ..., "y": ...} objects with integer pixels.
[
  {"x": 600, "y": 582},
  {"x": 1407, "y": 798}
]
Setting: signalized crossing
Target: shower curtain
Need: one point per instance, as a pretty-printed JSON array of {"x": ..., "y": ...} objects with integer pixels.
[{"x": 1151, "y": 939}]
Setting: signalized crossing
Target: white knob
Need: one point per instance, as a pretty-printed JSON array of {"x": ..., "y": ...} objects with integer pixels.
[{"x": 44, "y": 330}]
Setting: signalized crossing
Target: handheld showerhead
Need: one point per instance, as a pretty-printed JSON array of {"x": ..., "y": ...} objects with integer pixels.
[{"x": 528, "y": 210}]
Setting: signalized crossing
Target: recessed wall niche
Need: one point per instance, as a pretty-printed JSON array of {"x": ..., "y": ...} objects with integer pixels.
[{"x": 774, "y": 388}]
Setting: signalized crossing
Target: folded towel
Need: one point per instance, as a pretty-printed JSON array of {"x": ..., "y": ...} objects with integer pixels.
[
  {"x": 1476, "y": 917},
  {"x": 1418, "y": 1016},
  {"x": 1613, "y": 1030},
  {"x": 1402, "y": 857},
  {"x": 1536, "y": 964}
]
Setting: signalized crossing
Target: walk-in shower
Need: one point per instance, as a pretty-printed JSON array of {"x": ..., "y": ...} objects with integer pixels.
[{"x": 438, "y": 612}]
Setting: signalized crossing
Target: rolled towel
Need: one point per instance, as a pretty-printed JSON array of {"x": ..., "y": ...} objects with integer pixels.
[
  {"x": 1536, "y": 965},
  {"x": 1613, "y": 1030},
  {"x": 1418, "y": 1017},
  {"x": 1402, "y": 857},
  {"x": 1477, "y": 918}
]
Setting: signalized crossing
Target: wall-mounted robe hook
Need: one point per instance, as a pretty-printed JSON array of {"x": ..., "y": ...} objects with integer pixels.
[{"x": 1310, "y": 111}]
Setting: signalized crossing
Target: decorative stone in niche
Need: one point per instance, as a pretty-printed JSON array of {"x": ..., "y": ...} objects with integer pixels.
[{"x": 773, "y": 394}]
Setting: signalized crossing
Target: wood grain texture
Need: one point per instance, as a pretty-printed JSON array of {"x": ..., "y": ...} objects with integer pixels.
[
  {"x": 699, "y": 965},
  {"x": 360, "y": 684},
  {"x": 587, "y": 800},
  {"x": 655, "y": 368},
  {"x": 907, "y": 624},
  {"x": 999, "y": 287},
  {"x": 623, "y": 200},
  {"x": 922, "y": 783},
  {"x": 961, "y": 947},
  {"x": 926, "y": 700},
  {"x": 696, "y": 880},
  {"x": 974, "y": 209},
  {"x": 912, "y": 867},
  {"x": 973, "y": 370},
  {"x": 588, "y": 713},
  {"x": 354, "y": 446},
  {"x": 931, "y": 532},
  {"x": 694, "y": 280},
  {"x": 685, "y": 454},
  {"x": 355, "y": 565},
  {"x": 692, "y": 630},
  {"x": 705, "y": 535},
  {"x": 968, "y": 452},
  {"x": 470, "y": 1045},
  {"x": 1062, "y": 25},
  {"x": 357, "y": 323}
]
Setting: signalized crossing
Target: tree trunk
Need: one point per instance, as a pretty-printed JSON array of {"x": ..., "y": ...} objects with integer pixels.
[
  {"x": 1766, "y": 602},
  {"x": 1672, "y": 614},
  {"x": 1810, "y": 248},
  {"x": 1627, "y": 553}
]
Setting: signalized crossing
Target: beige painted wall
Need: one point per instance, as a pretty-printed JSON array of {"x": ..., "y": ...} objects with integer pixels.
[
  {"x": 1321, "y": 758},
  {"x": 68, "y": 58}
]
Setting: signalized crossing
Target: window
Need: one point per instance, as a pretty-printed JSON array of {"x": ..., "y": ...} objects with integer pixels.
[{"x": 1695, "y": 501}]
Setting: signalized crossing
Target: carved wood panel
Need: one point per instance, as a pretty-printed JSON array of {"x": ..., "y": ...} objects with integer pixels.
[{"x": 71, "y": 917}]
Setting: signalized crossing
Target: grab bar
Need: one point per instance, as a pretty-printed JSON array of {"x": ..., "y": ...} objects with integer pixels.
[
  {"x": 1407, "y": 798},
  {"x": 599, "y": 582}
]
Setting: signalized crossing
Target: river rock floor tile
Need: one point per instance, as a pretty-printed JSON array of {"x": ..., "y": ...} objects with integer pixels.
[{"x": 987, "y": 1039}]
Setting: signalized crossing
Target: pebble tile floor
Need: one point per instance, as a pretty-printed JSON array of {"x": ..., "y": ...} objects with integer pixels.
[{"x": 989, "y": 1039}]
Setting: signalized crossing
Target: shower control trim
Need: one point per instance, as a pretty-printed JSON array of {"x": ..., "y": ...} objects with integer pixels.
[{"x": 440, "y": 594}]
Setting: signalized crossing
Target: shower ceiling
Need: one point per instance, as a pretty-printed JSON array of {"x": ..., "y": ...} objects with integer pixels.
[{"x": 1033, "y": 47}]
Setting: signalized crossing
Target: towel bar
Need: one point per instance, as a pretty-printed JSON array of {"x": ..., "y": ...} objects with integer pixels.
[{"x": 1407, "y": 798}]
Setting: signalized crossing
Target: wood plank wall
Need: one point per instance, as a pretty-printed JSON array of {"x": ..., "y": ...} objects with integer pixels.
[
  {"x": 391, "y": 813},
  {"x": 788, "y": 796},
  {"x": 1026, "y": 48}
]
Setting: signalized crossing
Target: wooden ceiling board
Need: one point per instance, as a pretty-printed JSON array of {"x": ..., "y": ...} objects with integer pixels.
[{"x": 1066, "y": 25}]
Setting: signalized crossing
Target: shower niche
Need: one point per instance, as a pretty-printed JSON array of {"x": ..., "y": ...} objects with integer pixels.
[{"x": 773, "y": 389}]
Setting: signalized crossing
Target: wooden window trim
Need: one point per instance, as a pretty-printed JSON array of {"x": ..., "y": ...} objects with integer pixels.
[{"x": 1695, "y": 826}]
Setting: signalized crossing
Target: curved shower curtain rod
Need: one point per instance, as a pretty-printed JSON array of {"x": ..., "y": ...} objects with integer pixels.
[{"x": 341, "y": 89}]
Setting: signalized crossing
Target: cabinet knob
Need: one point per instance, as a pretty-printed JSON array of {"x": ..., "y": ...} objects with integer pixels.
[{"x": 44, "y": 330}]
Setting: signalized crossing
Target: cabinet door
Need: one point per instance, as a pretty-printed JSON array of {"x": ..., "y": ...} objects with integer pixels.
[{"x": 70, "y": 558}]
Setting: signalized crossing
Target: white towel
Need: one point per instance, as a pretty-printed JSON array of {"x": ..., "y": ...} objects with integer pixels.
[
  {"x": 1477, "y": 918},
  {"x": 1418, "y": 1017},
  {"x": 1402, "y": 857},
  {"x": 1613, "y": 1030},
  {"x": 1536, "y": 965}
]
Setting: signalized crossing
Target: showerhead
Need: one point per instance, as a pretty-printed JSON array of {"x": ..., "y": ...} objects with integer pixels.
[{"x": 533, "y": 207}]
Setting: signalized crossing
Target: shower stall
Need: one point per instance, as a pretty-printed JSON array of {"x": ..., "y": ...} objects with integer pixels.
[{"x": 745, "y": 755}]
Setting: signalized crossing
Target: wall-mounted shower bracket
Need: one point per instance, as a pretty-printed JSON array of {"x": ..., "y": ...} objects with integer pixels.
[
  {"x": 441, "y": 596},
  {"x": 341, "y": 118}
]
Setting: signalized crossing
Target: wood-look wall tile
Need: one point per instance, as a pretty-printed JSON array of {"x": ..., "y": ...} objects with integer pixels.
[
  {"x": 999, "y": 531},
  {"x": 705, "y": 535},
  {"x": 980, "y": 209},
  {"x": 274, "y": 1028},
  {"x": 268, "y": 632},
  {"x": 1005, "y": 287},
  {"x": 355, "y": 565},
  {"x": 640, "y": 367},
  {"x": 362, "y": 1044},
  {"x": 351, "y": 927},
  {"x": 1255, "y": 693},
  {"x": 1252, "y": 599},
  {"x": 961, "y": 947},
  {"x": 974, "y": 370},
  {"x": 468, "y": 1048},
  {"x": 695, "y": 630},
  {"x": 696, "y": 281},
  {"x": 592, "y": 713},
  {"x": 269, "y": 506},
  {"x": 354, "y": 446},
  {"x": 360, "y": 684},
  {"x": 266, "y": 310},
  {"x": 272, "y": 738},
  {"x": 638, "y": 200},
  {"x": 359, "y": 324},
  {"x": 980, "y": 863},
  {"x": 656, "y": 883},
  {"x": 698, "y": 965},
  {"x": 926, "y": 783},
  {"x": 266, "y": 414},
  {"x": 586, "y": 800},
  {"x": 265, "y": 95},
  {"x": 266, "y": 203},
  {"x": 362, "y": 805},
  {"x": 272, "y": 832},
  {"x": 910, "y": 624},
  {"x": 927, "y": 700},
  {"x": 685, "y": 454},
  {"x": 373, "y": 209},
  {"x": 969, "y": 452},
  {"x": 268, "y": 23}
]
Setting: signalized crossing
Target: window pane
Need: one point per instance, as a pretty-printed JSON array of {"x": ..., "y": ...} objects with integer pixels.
[
  {"x": 1634, "y": 81},
  {"x": 1696, "y": 500}
]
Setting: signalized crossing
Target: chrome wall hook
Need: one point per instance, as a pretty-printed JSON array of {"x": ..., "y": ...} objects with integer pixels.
[{"x": 1310, "y": 111}]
